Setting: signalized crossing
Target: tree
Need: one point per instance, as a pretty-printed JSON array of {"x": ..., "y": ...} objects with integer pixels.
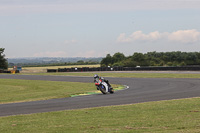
[
  {"x": 174, "y": 58},
  {"x": 129, "y": 63},
  {"x": 140, "y": 59},
  {"x": 117, "y": 57},
  {"x": 3, "y": 61},
  {"x": 106, "y": 61},
  {"x": 80, "y": 62}
]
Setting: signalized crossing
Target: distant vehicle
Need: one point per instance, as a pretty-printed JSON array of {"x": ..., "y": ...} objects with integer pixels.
[{"x": 103, "y": 85}]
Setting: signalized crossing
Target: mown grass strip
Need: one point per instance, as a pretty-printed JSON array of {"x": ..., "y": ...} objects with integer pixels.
[
  {"x": 14, "y": 90},
  {"x": 163, "y": 116},
  {"x": 126, "y": 75}
]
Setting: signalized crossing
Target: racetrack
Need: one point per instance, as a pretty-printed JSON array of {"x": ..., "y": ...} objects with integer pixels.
[{"x": 140, "y": 90}]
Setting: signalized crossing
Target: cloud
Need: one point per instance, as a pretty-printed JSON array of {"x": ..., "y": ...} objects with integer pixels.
[
  {"x": 139, "y": 36},
  {"x": 180, "y": 36},
  {"x": 73, "y": 41},
  {"x": 51, "y": 54},
  {"x": 185, "y": 36}
]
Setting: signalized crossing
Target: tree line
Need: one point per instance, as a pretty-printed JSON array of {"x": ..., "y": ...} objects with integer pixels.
[{"x": 176, "y": 58}]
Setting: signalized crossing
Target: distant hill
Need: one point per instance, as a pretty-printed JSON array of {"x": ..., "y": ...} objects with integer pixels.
[{"x": 50, "y": 60}]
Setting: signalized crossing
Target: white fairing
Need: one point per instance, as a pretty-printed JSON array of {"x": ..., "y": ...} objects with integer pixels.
[{"x": 105, "y": 85}]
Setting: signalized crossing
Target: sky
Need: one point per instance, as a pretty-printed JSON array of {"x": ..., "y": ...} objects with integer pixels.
[{"x": 94, "y": 28}]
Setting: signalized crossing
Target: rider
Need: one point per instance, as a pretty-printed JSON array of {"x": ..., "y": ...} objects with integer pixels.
[{"x": 97, "y": 78}]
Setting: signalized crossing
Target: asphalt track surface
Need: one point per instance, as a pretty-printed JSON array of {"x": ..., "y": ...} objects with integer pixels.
[{"x": 140, "y": 90}]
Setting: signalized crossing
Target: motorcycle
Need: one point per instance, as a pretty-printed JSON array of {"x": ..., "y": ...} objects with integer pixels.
[{"x": 104, "y": 86}]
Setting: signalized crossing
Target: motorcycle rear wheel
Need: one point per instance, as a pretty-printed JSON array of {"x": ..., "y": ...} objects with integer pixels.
[{"x": 111, "y": 91}]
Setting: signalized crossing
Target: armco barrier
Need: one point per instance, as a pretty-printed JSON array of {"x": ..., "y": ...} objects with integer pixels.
[
  {"x": 6, "y": 71},
  {"x": 51, "y": 70},
  {"x": 87, "y": 69},
  {"x": 9, "y": 71}
]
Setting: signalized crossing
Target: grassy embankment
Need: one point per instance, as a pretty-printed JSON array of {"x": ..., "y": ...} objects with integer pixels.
[
  {"x": 31, "y": 90},
  {"x": 164, "y": 116},
  {"x": 124, "y": 75}
]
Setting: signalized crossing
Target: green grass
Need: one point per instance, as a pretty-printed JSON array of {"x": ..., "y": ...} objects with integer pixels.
[
  {"x": 12, "y": 90},
  {"x": 172, "y": 116},
  {"x": 127, "y": 75}
]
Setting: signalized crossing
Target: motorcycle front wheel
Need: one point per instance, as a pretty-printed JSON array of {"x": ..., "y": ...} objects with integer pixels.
[{"x": 103, "y": 89}]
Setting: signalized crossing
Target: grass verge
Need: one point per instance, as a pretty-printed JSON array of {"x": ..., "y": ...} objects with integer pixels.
[
  {"x": 163, "y": 116},
  {"x": 127, "y": 75},
  {"x": 12, "y": 90}
]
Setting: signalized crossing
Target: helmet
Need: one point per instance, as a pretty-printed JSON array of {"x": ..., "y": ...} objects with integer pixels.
[{"x": 96, "y": 76}]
